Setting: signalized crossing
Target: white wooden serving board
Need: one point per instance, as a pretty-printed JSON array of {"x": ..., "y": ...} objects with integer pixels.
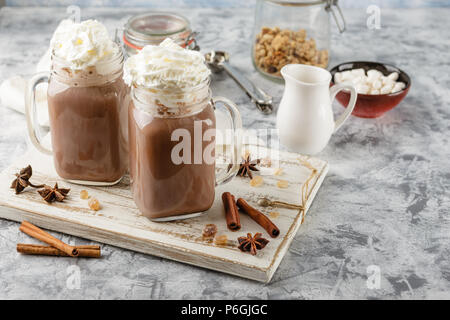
[{"x": 119, "y": 222}]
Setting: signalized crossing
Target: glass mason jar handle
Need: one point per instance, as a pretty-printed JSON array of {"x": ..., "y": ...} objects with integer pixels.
[
  {"x": 229, "y": 173},
  {"x": 34, "y": 129}
]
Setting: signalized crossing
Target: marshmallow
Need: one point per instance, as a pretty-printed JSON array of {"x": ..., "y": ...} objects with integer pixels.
[
  {"x": 393, "y": 76},
  {"x": 347, "y": 83},
  {"x": 376, "y": 84},
  {"x": 389, "y": 84},
  {"x": 338, "y": 77},
  {"x": 399, "y": 86},
  {"x": 372, "y": 83},
  {"x": 374, "y": 74},
  {"x": 385, "y": 90},
  {"x": 359, "y": 80},
  {"x": 358, "y": 72},
  {"x": 347, "y": 75},
  {"x": 362, "y": 88}
]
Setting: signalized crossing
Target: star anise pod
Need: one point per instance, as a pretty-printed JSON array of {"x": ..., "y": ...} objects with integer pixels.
[
  {"x": 251, "y": 244},
  {"x": 247, "y": 166},
  {"x": 23, "y": 180},
  {"x": 53, "y": 194}
]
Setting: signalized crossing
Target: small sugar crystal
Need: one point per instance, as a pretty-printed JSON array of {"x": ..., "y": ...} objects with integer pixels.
[
  {"x": 274, "y": 214},
  {"x": 221, "y": 240},
  {"x": 282, "y": 184},
  {"x": 256, "y": 181},
  {"x": 94, "y": 204},
  {"x": 84, "y": 194},
  {"x": 266, "y": 162},
  {"x": 209, "y": 231}
]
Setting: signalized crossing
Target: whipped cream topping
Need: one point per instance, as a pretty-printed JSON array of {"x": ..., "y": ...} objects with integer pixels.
[
  {"x": 166, "y": 66},
  {"x": 83, "y": 44}
]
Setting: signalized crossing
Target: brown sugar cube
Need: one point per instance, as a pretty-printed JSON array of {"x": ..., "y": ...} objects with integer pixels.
[
  {"x": 221, "y": 240},
  {"x": 94, "y": 204},
  {"x": 256, "y": 181},
  {"x": 84, "y": 194},
  {"x": 274, "y": 214},
  {"x": 209, "y": 231},
  {"x": 282, "y": 184}
]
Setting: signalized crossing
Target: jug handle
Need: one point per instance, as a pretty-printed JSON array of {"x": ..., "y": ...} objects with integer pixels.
[{"x": 351, "y": 105}]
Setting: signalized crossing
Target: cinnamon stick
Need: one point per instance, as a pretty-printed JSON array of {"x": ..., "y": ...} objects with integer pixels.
[
  {"x": 259, "y": 218},
  {"x": 231, "y": 212},
  {"x": 88, "y": 251},
  {"x": 40, "y": 234}
]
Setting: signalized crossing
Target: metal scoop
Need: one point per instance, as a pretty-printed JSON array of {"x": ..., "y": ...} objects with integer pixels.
[{"x": 218, "y": 61}]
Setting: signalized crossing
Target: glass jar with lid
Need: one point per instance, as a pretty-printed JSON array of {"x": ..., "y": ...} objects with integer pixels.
[
  {"x": 293, "y": 31},
  {"x": 153, "y": 27}
]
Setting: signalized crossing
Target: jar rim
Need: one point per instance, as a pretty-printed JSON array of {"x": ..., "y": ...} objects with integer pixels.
[
  {"x": 168, "y": 103},
  {"x": 103, "y": 71}
]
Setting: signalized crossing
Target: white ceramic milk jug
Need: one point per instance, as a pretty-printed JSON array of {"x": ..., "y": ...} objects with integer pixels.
[{"x": 305, "y": 118}]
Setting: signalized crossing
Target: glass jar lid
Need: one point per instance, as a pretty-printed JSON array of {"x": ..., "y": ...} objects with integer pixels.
[{"x": 153, "y": 27}]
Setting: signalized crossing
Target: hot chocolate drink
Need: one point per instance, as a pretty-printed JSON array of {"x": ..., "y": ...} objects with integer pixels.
[
  {"x": 87, "y": 103},
  {"x": 172, "y": 132},
  {"x": 162, "y": 188},
  {"x": 88, "y": 128}
]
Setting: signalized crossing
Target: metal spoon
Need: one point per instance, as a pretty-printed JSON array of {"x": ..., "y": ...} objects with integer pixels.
[{"x": 218, "y": 61}]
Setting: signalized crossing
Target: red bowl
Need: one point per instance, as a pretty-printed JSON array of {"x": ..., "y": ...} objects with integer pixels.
[{"x": 367, "y": 105}]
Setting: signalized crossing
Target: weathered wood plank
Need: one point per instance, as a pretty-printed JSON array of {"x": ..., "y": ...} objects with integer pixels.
[{"x": 119, "y": 222}]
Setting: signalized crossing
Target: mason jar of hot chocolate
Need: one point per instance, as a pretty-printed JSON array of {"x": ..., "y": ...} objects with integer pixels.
[
  {"x": 172, "y": 151},
  {"x": 172, "y": 131},
  {"x": 87, "y": 105}
]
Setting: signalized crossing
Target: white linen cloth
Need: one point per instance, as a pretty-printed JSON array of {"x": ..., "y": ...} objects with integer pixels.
[{"x": 12, "y": 92}]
